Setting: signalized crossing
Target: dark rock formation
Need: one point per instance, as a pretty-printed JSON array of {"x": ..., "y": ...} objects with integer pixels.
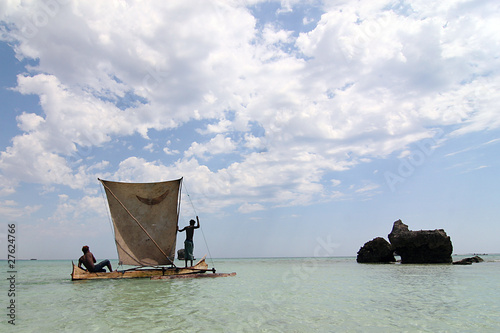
[
  {"x": 468, "y": 261},
  {"x": 377, "y": 250},
  {"x": 420, "y": 247},
  {"x": 180, "y": 254}
]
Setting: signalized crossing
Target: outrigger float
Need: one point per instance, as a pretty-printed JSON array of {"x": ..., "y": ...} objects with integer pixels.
[{"x": 145, "y": 218}]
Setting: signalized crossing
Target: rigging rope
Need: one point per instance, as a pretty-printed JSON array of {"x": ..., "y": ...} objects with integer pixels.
[{"x": 203, "y": 234}]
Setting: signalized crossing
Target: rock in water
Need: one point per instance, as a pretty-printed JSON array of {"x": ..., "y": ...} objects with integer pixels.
[
  {"x": 468, "y": 261},
  {"x": 377, "y": 250},
  {"x": 420, "y": 247}
]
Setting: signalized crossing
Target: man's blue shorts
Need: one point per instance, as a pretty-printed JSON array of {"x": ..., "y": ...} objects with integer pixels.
[{"x": 99, "y": 266}]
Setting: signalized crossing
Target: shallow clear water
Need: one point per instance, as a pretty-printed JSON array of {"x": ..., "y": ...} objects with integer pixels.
[{"x": 267, "y": 295}]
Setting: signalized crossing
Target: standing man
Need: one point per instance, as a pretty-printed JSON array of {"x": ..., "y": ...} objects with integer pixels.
[
  {"x": 188, "y": 243},
  {"x": 88, "y": 260}
]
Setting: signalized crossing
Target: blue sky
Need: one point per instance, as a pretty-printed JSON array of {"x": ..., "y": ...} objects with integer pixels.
[{"x": 300, "y": 128}]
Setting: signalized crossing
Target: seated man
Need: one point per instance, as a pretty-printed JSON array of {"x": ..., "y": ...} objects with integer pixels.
[{"x": 88, "y": 260}]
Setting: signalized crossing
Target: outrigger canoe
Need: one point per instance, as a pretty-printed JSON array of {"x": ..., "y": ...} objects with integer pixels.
[
  {"x": 199, "y": 270},
  {"x": 145, "y": 219}
]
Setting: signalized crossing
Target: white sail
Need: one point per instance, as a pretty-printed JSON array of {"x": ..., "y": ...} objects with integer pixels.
[{"x": 145, "y": 217}]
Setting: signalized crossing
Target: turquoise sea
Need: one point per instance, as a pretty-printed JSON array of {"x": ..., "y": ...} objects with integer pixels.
[{"x": 267, "y": 295}]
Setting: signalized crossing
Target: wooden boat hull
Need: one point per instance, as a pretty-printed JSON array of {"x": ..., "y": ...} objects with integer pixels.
[{"x": 200, "y": 268}]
